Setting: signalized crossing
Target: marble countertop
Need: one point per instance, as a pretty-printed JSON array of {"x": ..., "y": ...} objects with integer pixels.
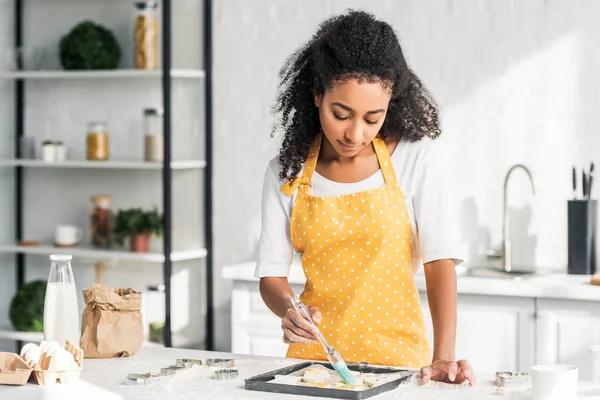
[
  {"x": 551, "y": 285},
  {"x": 104, "y": 379}
]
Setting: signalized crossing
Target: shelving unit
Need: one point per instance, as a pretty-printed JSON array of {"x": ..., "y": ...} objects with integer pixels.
[
  {"x": 7, "y": 333},
  {"x": 85, "y": 164},
  {"x": 114, "y": 255},
  {"x": 107, "y": 74},
  {"x": 164, "y": 77}
]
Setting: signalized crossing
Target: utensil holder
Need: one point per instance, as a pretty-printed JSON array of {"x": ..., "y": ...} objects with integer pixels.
[{"x": 582, "y": 222}]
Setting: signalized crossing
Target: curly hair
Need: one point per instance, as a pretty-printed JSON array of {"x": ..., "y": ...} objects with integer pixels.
[{"x": 353, "y": 45}]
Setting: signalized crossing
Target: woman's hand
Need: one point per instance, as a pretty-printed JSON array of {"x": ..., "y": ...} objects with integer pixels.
[
  {"x": 296, "y": 329},
  {"x": 448, "y": 371}
]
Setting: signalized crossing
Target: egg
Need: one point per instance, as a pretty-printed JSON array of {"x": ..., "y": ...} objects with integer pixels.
[
  {"x": 31, "y": 353},
  {"x": 47, "y": 346},
  {"x": 61, "y": 360},
  {"x": 27, "y": 347}
]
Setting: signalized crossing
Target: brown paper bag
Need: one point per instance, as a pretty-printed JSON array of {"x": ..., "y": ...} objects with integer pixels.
[{"x": 112, "y": 324}]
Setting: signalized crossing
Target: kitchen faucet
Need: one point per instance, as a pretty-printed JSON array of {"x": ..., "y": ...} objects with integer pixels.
[{"x": 506, "y": 244}]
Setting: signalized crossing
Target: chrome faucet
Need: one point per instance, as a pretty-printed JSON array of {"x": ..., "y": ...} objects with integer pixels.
[{"x": 506, "y": 244}]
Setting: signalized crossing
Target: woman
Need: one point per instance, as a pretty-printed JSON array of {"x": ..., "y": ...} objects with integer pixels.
[{"x": 355, "y": 190}]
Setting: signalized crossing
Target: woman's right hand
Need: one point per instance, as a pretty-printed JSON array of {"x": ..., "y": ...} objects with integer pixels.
[{"x": 296, "y": 329}]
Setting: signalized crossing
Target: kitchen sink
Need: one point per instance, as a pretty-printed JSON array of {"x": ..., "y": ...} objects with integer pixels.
[{"x": 491, "y": 272}]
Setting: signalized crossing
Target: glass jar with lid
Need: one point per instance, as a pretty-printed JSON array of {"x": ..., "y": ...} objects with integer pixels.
[
  {"x": 153, "y": 134},
  {"x": 101, "y": 221},
  {"x": 146, "y": 35},
  {"x": 97, "y": 141}
]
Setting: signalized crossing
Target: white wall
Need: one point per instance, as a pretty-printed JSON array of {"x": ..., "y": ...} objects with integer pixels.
[{"x": 517, "y": 81}]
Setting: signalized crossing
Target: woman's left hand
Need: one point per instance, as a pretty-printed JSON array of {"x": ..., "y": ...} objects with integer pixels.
[{"x": 448, "y": 371}]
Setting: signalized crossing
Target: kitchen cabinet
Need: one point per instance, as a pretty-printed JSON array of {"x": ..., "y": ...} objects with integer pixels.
[
  {"x": 502, "y": 324},
  {"x": 564, "y": 330},
  {"x": 254, "y": 328},
  {"x": 493, "y": 332}
]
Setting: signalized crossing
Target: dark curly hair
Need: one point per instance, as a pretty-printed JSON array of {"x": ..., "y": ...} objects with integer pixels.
[{"x": 353, "y": 45}]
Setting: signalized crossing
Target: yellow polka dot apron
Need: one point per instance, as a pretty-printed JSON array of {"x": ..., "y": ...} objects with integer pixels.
[{"x": 356, "y": 255}]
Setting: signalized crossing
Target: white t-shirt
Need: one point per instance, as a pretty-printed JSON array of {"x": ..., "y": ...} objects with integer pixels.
[{"x": 420, "y": 175}]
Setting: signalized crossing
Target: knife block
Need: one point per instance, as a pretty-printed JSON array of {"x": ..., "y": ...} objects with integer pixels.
[{"x": 582, "y": 223}]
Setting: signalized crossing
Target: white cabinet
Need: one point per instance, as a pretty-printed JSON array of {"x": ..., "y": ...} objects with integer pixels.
[
  {"x": 565, "y": 329},
  {"x": 493, "y": 333},
  {"x": 254, "y": 328}
]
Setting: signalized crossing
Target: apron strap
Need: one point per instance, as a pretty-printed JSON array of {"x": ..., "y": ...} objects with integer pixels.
[
  {"x": 303, "y": 184},
  {"x": 385, "y": 161}
]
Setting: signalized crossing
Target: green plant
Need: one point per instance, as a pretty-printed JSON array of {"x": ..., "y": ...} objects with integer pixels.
[
  {"x": 89, "y": 46},
  {"x": 135, "y": 221},
  {"x": 26, "y": 310}
]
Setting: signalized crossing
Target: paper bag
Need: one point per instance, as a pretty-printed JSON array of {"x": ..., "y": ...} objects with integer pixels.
[{"x": 112, "y": 323}]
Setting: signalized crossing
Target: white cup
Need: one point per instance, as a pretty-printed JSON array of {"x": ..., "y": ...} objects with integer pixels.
[
  {"x": 67, "y": 235},
  {"x": 554, "y": 382}
]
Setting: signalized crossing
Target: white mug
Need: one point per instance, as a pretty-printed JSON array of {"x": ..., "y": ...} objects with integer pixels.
[
  {"x": 67, "y": 235},
  {"x": 554, "y": 382}
]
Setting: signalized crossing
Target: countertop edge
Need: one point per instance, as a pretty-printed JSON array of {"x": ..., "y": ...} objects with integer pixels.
[{"x": 554, "y": 285}]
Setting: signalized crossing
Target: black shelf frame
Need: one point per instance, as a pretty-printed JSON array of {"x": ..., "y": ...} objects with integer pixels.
[{"x": 167, "y": 192}]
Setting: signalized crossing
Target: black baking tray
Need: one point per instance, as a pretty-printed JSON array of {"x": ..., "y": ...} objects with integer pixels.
[{"x": 261, "y": 382}]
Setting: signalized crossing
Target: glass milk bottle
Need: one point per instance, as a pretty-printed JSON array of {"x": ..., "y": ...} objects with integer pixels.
[{"x": 61, "y": 309}]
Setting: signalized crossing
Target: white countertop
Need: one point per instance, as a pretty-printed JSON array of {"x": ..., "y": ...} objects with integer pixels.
[
  {"x": 546, "y": 285},
  {"x": 104, "y": 379}
]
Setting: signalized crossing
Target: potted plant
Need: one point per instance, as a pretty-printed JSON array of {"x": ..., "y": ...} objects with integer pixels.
[
  {"x": 48, "y": 153},
  {"x": 138, "y": 225}
]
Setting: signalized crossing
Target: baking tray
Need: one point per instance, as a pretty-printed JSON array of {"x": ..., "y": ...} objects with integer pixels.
[{"x": 260, "y": 382}]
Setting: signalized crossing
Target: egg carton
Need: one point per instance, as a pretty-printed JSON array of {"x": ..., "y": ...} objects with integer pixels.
[{"x": 45, "y": 377}]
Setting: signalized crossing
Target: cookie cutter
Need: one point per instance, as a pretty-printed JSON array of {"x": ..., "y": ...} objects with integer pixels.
[
  {"x": 220, "y": 362},
  {"x": 226, "y": 374},
  {"x": 512, "y": 379},
  {"x": 187, "y": 362},
  {"x": 171, "y": 370},
  {"x": 141, "y": 379}
]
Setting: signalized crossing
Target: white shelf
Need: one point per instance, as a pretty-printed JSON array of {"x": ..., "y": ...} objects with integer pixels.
[
  {"x": 179, "y": 165},
  {"x": 102, "y": 74},
  {"x": 88, "y": 252},
  {"x": 8, "y": 333}
]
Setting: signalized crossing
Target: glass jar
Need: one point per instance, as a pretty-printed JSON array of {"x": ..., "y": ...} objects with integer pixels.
[
  {"x": 153, "y": 134},
  {"x": 154, "y": 312},
  {"x": 146, "y": 35},
  {"x": 97, "y": 142},
  {"x": 61, "y": 307},
  {"x": 101, "y": 218}
]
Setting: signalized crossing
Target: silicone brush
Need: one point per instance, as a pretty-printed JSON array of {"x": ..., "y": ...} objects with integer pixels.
[{"x": 333, "y": 355}]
